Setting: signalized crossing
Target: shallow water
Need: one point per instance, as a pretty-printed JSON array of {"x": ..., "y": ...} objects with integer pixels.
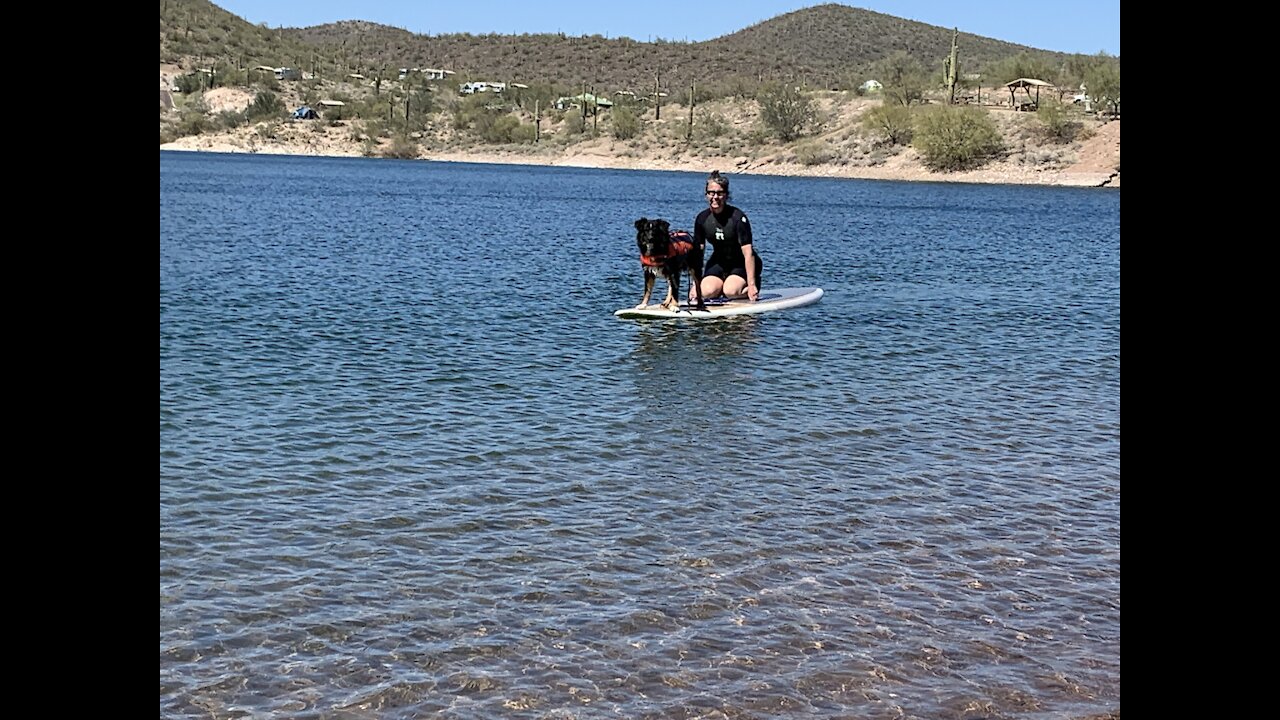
[{"x": 412, "y": 466}]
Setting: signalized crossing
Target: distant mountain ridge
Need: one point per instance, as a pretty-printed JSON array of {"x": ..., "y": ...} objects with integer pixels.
[{"x": 822, "y": 46}]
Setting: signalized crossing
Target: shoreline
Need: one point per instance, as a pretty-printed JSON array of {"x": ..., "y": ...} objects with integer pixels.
[
  {"x": 903, "y": 169},
  {"x": 839, "y": 146}
]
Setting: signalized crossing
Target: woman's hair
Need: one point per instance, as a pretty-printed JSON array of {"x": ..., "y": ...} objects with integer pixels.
[{"x": 721, "y": 180}]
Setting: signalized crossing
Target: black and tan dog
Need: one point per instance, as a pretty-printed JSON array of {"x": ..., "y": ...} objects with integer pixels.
[{"x": 668, "y": 253}]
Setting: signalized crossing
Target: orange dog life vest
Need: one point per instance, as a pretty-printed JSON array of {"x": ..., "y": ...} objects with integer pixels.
[{"x": 681, "y": 243}]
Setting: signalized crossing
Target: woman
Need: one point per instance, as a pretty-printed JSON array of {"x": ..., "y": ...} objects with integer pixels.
[{"x": 733, "y": 270}]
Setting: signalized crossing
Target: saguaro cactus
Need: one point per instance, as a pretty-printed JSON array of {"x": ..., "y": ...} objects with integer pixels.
[{"x": 951, "y": 67}]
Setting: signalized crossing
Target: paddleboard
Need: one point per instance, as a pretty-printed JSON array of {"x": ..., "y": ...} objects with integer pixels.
[{"x": 768, "y": 300}]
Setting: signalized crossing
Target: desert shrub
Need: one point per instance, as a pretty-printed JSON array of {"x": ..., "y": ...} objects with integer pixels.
[
  {"x": 194, "y": 122},
  {"x": 881, "y": 155},
  {"x": 189, "y": 83},
  {"x": 470, "y": 112},
  {"x": 891, "y": 123},
  {"x": 726, "y": 146},
  {"x": 711, "y": 126},
  {"x": 1056, "y": 122},
  {"x": 704, "y": 92},
  {"x": 626, "y": 123},
  {"x": 402, "y": 147},
  {"x": 266, "y": 80},
  {"x": 460, "y": 118},
  {"x": 574, "y": 123},
  {"x": 759, "y": 135},
  {"x": 381, "y": 128},
  {"x": 1035, "y": 157},
  {"x": 814, "y": 152},
  {"x": 268, "y": 130},
  {"x": 953, "y": 137},
  {"x": 228, "y": 120},
  {"x": 265, "y": 104},
  {"x": 503, "y": 128},
  {"x": 522, "y": 133},
  {"x": 228, "y": 76},
  {"x": 785, "y": 110}
]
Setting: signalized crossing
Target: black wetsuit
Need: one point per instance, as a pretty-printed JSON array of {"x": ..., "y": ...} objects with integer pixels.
[{"x": 726, "y": 233}]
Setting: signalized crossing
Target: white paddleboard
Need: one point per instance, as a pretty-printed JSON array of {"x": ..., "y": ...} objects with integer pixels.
[{"x": 768, "y": 300}]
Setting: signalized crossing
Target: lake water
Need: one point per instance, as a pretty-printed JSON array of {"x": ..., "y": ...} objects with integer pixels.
[{"x": 412, "y": 466}]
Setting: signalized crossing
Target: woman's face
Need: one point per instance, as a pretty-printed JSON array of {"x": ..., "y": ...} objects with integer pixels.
[{"x": 715, "y": 197}]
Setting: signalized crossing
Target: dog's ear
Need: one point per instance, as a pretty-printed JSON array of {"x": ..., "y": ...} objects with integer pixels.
[
  {"x": 663, "y": 226},
  {"x": 641, "y": 223}
]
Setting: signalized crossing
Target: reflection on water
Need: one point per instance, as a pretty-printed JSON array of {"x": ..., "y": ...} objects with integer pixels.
[
  {"x": 691, "y": 369},
  {"x": 706, "y": 341}
]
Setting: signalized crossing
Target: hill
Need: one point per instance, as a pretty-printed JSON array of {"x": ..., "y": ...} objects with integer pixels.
[
  {"x": 824, "y": 46},
  {"x": 352, "y": 73}
]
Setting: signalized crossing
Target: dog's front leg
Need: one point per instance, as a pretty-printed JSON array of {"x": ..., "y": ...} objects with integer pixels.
[
  {"x": 648, "y": 290},
  {"x": 673, "y": 291}
]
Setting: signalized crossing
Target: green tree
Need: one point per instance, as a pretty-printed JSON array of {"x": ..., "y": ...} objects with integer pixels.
[
  {"x": 903, "y": 77},
  {"x": 1022, "y": 65},
  {"x": 955, "y": 137},
  {"x": 1102, "y": 82},
  {"x": 785, "y": 110},
  {"x": 891, "y": 122},
  {"x": 1071, "y": 74}
]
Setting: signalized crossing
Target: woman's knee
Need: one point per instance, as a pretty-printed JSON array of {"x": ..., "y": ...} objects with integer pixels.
[{"x": 734, "y": 285}]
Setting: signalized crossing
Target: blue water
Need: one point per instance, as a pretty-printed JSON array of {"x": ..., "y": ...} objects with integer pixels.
[{"x": 412, "y": 466}]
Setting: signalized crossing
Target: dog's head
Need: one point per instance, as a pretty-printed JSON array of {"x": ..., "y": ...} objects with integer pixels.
[{"x": 653, "y": 237}]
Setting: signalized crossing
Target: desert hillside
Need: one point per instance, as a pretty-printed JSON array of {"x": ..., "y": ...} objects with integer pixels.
[{"x": 726, "y": 135}]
